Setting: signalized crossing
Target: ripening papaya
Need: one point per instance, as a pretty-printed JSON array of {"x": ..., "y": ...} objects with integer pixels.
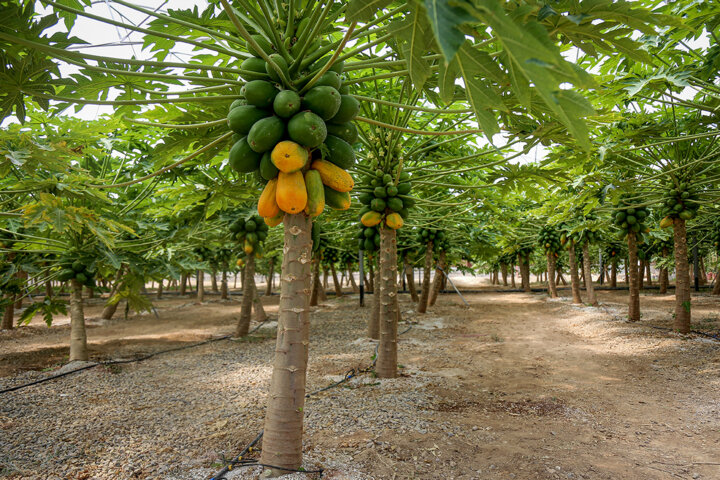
[
  {"x": 289, "y": 156},
  {"x": 247, "y": 247},
  {"x": 240, "y": 263},
  {"x": 336, "y": 200},
  {"x": 394, "y": 221},
  {"x": 333, "y": 176},
  {"x": 307, "y": 129},
  {"x": 276, "y": 220},
  {"x": 267, "y": 205},
  {"x": 291, "y": 193},
  {"x": 666, "y": 222},
  {"x": 371, "y": 218},
  {"x": 315, "y": 192}
]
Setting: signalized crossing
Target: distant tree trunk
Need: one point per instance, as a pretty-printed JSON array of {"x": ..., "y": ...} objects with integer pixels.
[
  {"x": 315, "y": 289},
  {"x": 78, "y": 336},
  {"x": 552, "y": 288},
  {"x": 664, "y": 281},
  {"x": 224, "y": 285},
  {"x": 632, "y": 266},
  {"x": 425, "y": 293},
  {"x": 260, "y": 314},
  {"x": 410, "y": 279},
  {"x": 524, "y": 261},
  {"x": 648, "y": 269},
  {"x": 19, "y": 298},
  {"x": 374, "y": 320},
  {"x": 110, "y": 309},
  {"x": 200, "y": 286},
  {"x": 641, "y": 276},
  {"x": 503, "y": 269},
  {"x": 351, "y": 276},
  {"x": 574, "y": 277},
  {"x": 9, "y": 312},
  {"x": 336, "y": 283},
  {"x": 213, "y": 281},
  {"x": 437, "y": 281},
  {"x": 716, "y": 287},
  {"x": 703, "y": 272},
  {"x": 386, "y": 366},
  {"x": 90, "y": 292},
  {"x": 682, "y": 278},
  {"x": 243, "y": 325},
  {"x": 627, "y": 276},
  {"x": 371, "y": 281},
  {"x": 613, "y": 273},
  {"x": 235, "y": 280},
  {"x": 271, "y": 277},
  {"x": 183, "y": 283},
  {"x": 159, "y": 293},
  {"x": 48, "y": 289},
  {"x": 560, "y": 278},
  {"x": 512, "y": 276},
  {"x": 325, "y": 278},
  {"x": 589, "y": 287}
]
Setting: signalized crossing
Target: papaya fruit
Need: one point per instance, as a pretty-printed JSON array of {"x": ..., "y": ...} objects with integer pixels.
[
  {"x": 280, "y": 62},
  {"x": 267, "y": 204},
  {"x": 254, "y": 69},
  {"x": 368, "y": 232},
  {"x": 77, "y": 266},
  {"x": 268, "y": 170},
  {"x": 323, "y": 101},
  {"x": 370, "y": 219},
  {"x": 369, "y": 244},
  {"x": 345, "y": 131},
  {"x": 291, "y": 193},
  {"x": 66, "y": 274},
  {"x": 260, "y": 93},
  {"x": 289, "y": 156},
  {"x": 243, "y": 117},
  {"x": 391, "y": 190},
  {"x": 366, "y": 198},
  {"x": 315, "y": 193},
  {"x": 286, "y": 103},
  {"x": 349, "y": 108},
  {"x": 394, "y": 221},
  {"x": 333, "y": 176},
  {"x": 404, "y": 188},
  {"x": 266, "y": 133},
  {"x": 276, "y": 220},
  {"x": 263, "y": 43},
  {"x": 237, "y": 103},
  {"x": 340, "y": 152},
  {"x": 307, "y": 129},
  {"x": 336, "y": 200},
  {"x": 378, "y": 205},
  {"x": 394, "y": 204},
  {"x": 242, "y": 158},
  {"x": 380, "y": 192},
  {"x": 330, "y": 79},
  {"x": 666, "y": 222},
  {"x": 248, "y": 247},
  {"x": 250, "y": 226}
]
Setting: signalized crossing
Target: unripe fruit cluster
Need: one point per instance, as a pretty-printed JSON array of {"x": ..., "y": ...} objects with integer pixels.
[
  {"x": 426, "y": 235},
  {"x": 631, "y": 219},
  {"x": 76, "y": 270},
  {"x": 369, "y": 238},
  {"x": 250, "y": 232},
  {"x": 549, "y": 239},
  {"x": 680, "y": 202},
  {"x": 385, "y": 199}
]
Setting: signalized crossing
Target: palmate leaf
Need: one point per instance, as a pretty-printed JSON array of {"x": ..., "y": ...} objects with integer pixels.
[
  {"x": 415, "y": 32},
  {"x": 364, "y": 10},
  {"x": 445, "y": 18}
]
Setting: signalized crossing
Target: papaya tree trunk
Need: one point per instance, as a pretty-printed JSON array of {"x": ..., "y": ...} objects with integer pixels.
[
  {"x": 503, "y": 270},
  {"x": 631, "y": 269},
  {"x": 648, "y": 270},
  {"x": 552, "y": 287},
  {"x": 613, "y": 273},
  {"x": 325, "y": 278},
  {"x": 336, "y": 283},
  {"x": 48, "y": 289},
  {"x": 183, "y": 283},
  {"x": 703, "y": 272},
  {"x": 589, "y": 287},
  {"x": 110, "y": 309},
  {"x": 716, "y": 286},
  {"x": 641, "y": 276},
  {"x": 560, "y": 278},
  {"x": 627, "y": 275},
  {"x": 159, "y": 293},
  {"x": 371, "y": 267},
  {"x": 524, "y": 261},
  {"x": 682, "y": 278},
  {"x": 437, "y": 281},
  {"x": 374, "y": 320},
  {"x": 9, "y": 312},
  {"x": 224, "y": 285},
  {"x": 663, "y": 276},
  {"x": 351, "y": 276},
  {"x": 78, "y": 337},
  {"x": 512, "y": 276},
  {"x": 213, "y": 281},
  {"x": 282, "y": 440},
  {"x": 243, "y": 325},
  {"x": 574, "y": 277},
  {"x": 90, "y": 292},
  {"x": 410, "y": 279},
  {"x": 315, "y": 282},
  {"x": 200, "y": 286},
  {"x": 271, "y": 278},
  {"x": 386, "y": 366},
  {"x": 425, "y": 292},
  {"x": 260, "y": 314}
]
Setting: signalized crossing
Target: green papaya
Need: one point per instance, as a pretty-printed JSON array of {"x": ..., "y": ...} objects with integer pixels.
[
  {"x": 66, "y": 274},
  {"x": 266, "y": 133},
  {"x": 77, "y": 266},
  {"x": 330, "y": 79},
  {"x": 380, "y": 192},
  {"x": 349, "y": 108},
  {"x": 307, "y": 129},
  {"x": 378, "y": 204},
  {"x": 344, "y": 131},
  {"x": 242, "y": 118},
  {"x": 242, "y": 158},
  {"x": 286, "y": 103},
  {"x": 395, "y": 204},
  {"x": 280, "y": 62},
  {"x": 237, "y": 103},
  {"x": 340, "y": 152},
  {"x": 254, "y": 69},
  {"x": 260, "y": 93},
  {"x": 265, "y": 45},
  {"x": 268, "y": 170},
  {"x": 366, "y": 198},
  {"x": 323, "y": 101},
  {"x": 404, "y": 188}
]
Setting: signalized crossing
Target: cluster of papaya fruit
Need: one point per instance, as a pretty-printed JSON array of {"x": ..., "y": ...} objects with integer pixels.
[
  {"x": 250, "y": 232},
  {"x": 369, "y": 238},
  {"x": 549, "y": 239},
  {"x": 631, "y": 219},
  {"x": 385, "y": 199},
  {"x": 330, "y": 256},
  {"x": 299, "y": 147},
  {"x": 427, "y": 235},
  {"x": 577, "y": 238},
  {"x": 75, "y": 270},
  {"x": 203, "y": 253},
  {"x": 612, "y": 252},
  {"x": 680, "y": 202}
]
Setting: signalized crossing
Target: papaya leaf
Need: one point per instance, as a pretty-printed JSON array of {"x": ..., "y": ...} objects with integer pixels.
[
  {"x": 364, "y": 10},
  {"x": 445, "y": 18}
]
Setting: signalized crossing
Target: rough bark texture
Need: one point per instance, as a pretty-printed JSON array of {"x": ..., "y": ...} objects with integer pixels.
[
  {"x": 8, "y": 313},
  {"x": 641, "y": 275},
  {"x": 325, "y": 278},
  {"x": 716, "y": 287},
  {"x": 663, "y": 276},
  {"x": 574, "y": 277},
  {"x": 48, "y": 289},
  {"x": 109, "y": 309},
  {"x": 552, "y": 288},
  {"x": 524, "y": 262},
  {"x": 410, "y": 280},
  {"x": 589, "y": 288},
  {"x": 386, "y": 366},
  {"x": 159, "y": 292},
  {"x": 682, "y": 278},
  {"x": 504, "y": 272},
  {"x": 438, "y": 280},
  {"x": 337, "y": 284},
  {"x": 374, "y": 320},
  {"x": 78, "y": 337},
  {"x": 200, "y": 286},
  {"x": 260, "y": 314},
  {"x": 371, "y": 280},
  {"x": 271, "y": 278},
  {"x": 282, "y": 440},
  {"x": 224, "y": 286},
  {"x": 351, "y": 277},
  {"x": 213, "y": 281},
  {"x": 512, "y": 276},
  {"x": 183, "y": 283},
  {"x": 703, "y": 272},
  {"x": 243, "y": 325},
  {"x": 627, "y": 275},
  {"x": 425, "y": 293},
  {"x": 613, "y": 273},
  {"x": 648, "y": 270},
  {"x": 631, "y": 267},
  {"x": 315, "y": 282}
]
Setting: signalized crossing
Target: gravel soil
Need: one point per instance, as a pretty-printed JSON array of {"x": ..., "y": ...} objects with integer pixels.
[{"x": 513, "y": 386}]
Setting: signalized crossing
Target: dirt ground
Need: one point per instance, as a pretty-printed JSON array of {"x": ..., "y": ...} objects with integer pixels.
[{"x": 515, "y": 386}]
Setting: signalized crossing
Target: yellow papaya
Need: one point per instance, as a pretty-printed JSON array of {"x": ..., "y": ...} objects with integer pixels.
[
  {"x": 267, "y": 205},
  {"x": 394, "y": 221},
  {"x": 248, "y": 248},
  {"x": 371, "y": 218},
  {"x": 666, "y": 222},
  {"x": 276, "y": 220},
  {"x": 289, "y": 156},
  {"x": 315, "y": 192},
  {"x": 291, "y": 194},
  {"x": 333, "y": 176},
  {"x": 240, "y": 263}
]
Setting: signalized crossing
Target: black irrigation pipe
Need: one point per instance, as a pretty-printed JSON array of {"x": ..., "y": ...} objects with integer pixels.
[
  {"x": 715, "y": 337},
  {"x": 240, "y": 462},
  {"x": 131, "y": 360}
]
